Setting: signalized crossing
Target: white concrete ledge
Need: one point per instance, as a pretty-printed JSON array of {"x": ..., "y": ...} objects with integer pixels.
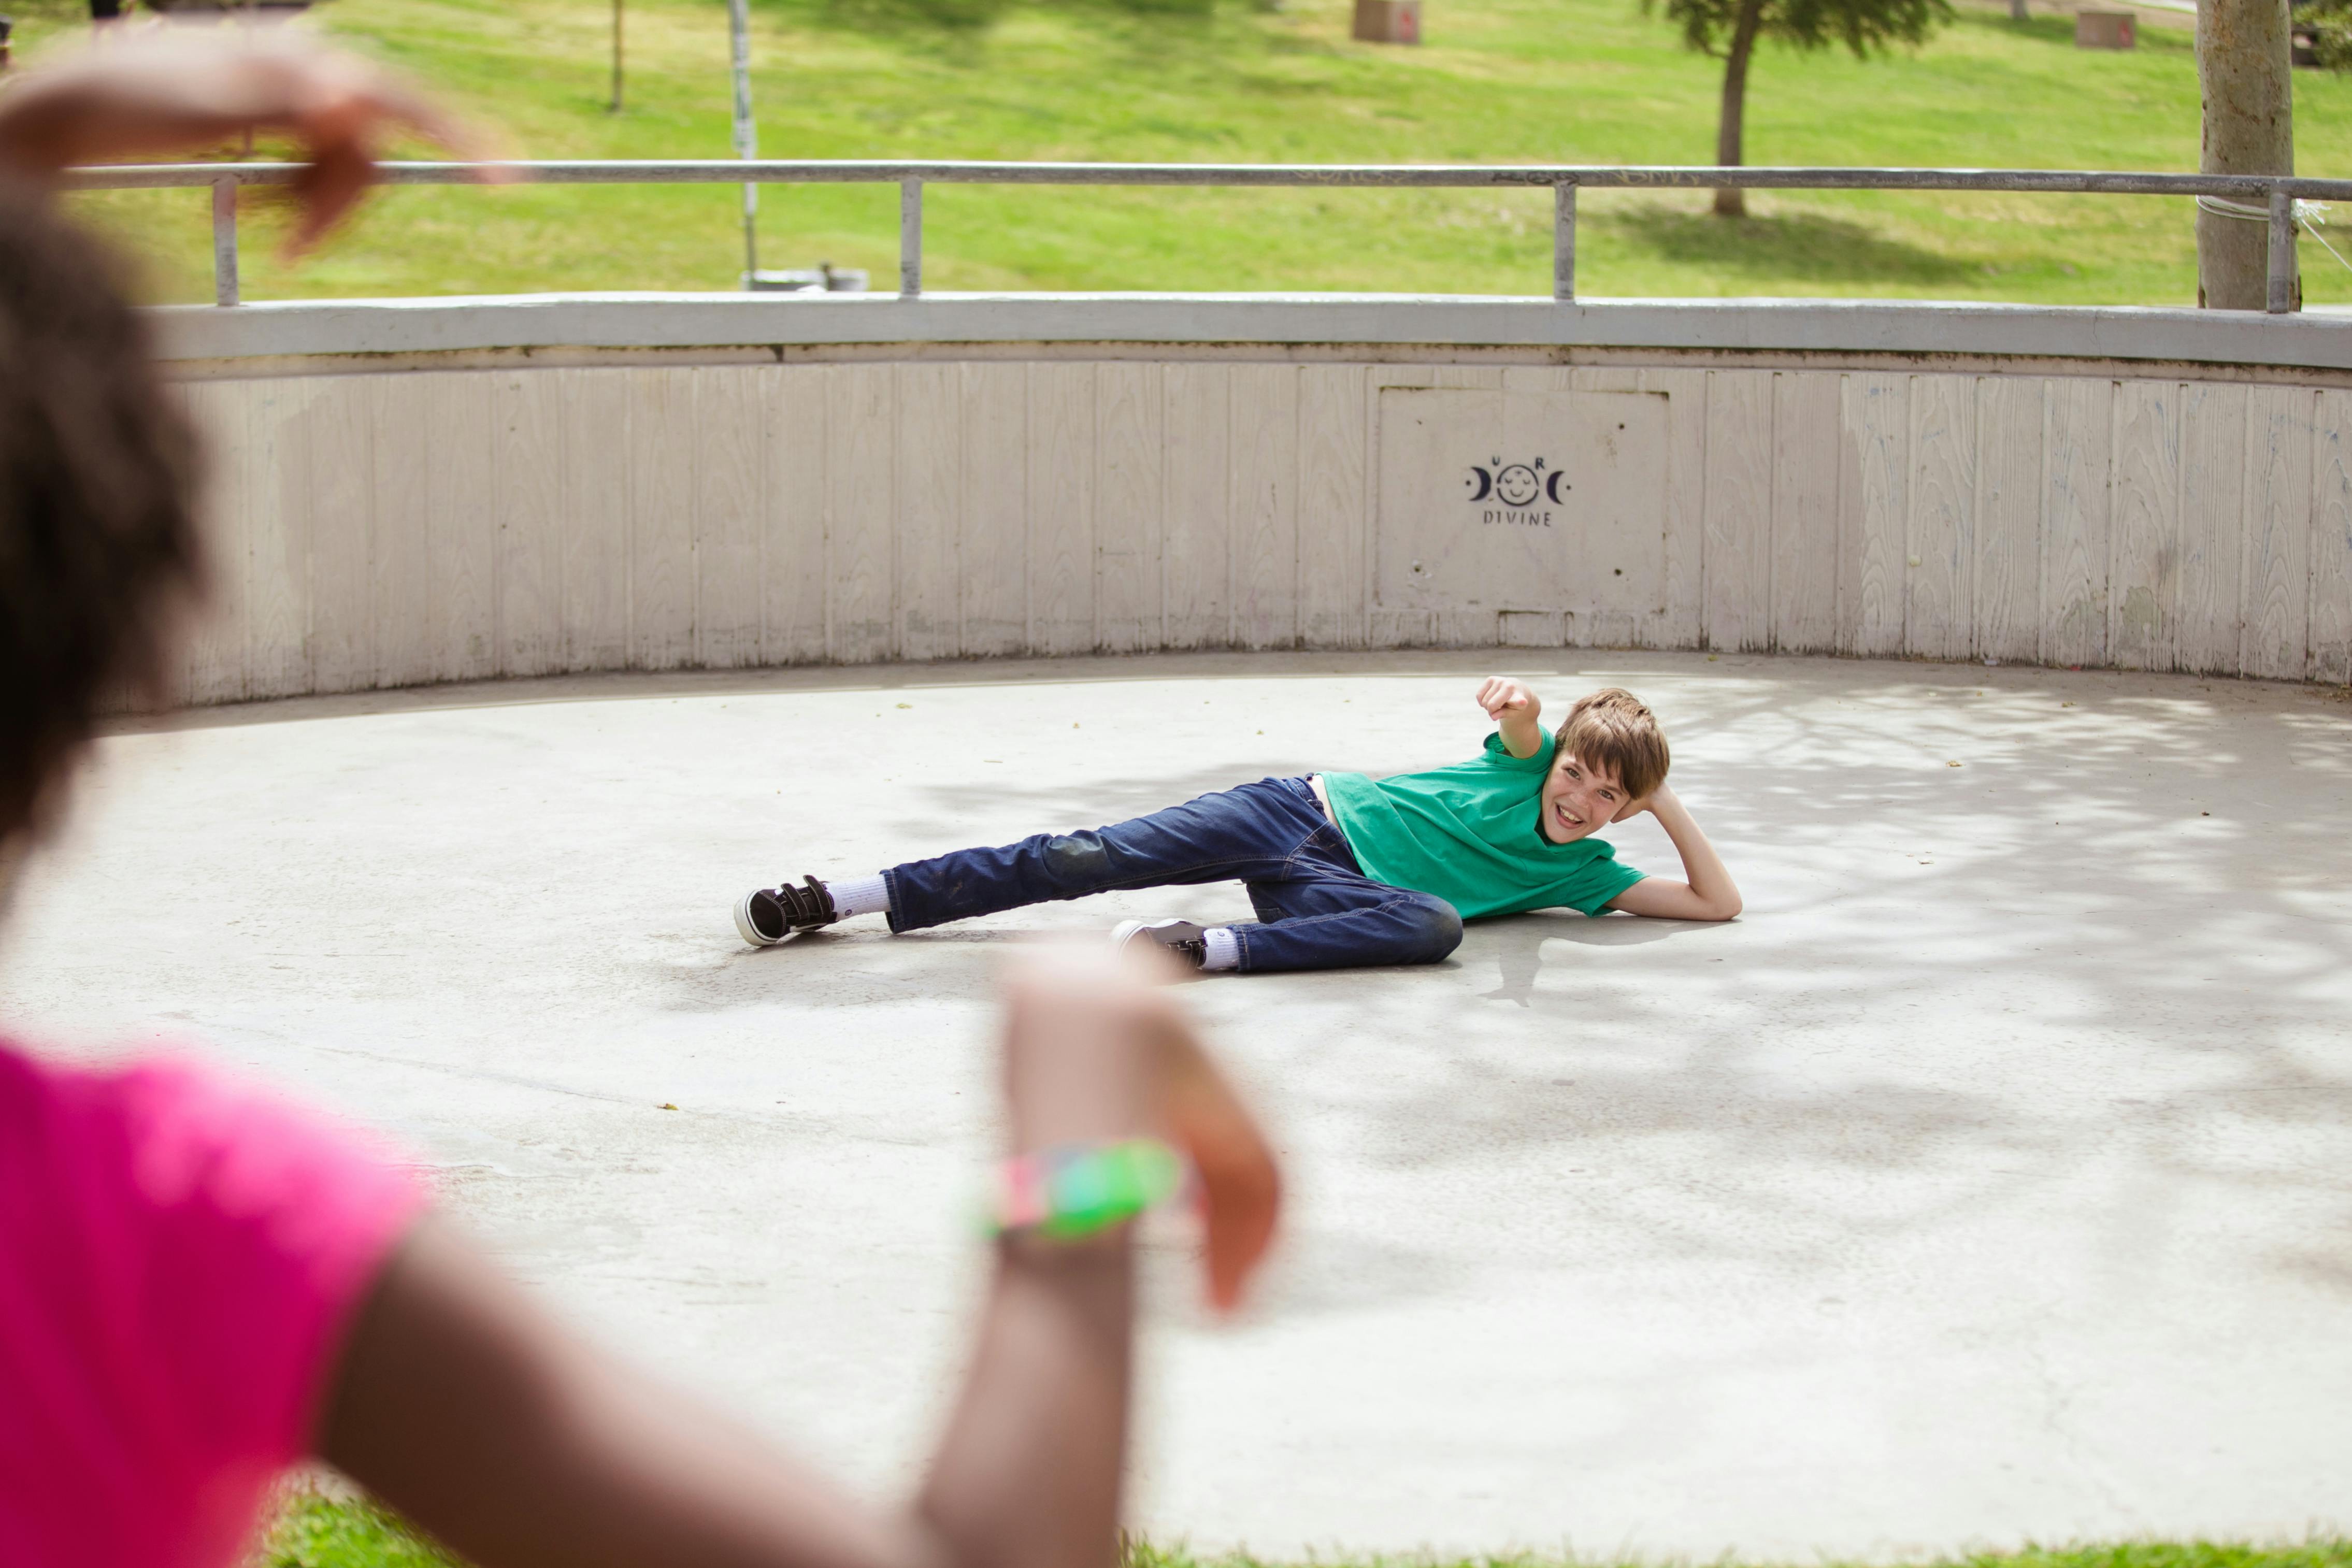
[{"x": 707, "y": 320}]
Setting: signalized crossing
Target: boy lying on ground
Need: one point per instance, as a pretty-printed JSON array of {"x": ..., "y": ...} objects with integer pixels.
[{"x": 1343, "y": 869}]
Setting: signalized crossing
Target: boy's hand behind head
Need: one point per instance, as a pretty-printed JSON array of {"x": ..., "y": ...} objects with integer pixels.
[
  {"x": 1500, "y": 694},
  {"x": 1649, "y": 802}
]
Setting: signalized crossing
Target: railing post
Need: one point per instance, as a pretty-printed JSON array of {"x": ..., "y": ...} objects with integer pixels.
[
  {"x": 2281, "y": 254},
  {"x": 224, "y": 242},
  {"x": 911, "y": 238},
  {"x": 1563, "y": 244}
]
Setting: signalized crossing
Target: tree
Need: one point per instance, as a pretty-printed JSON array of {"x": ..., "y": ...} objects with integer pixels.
[
  {"x": 2329, "y": 23},
  {"x": 1728, "y": 30},
  {"x": 2244, "y": 75}
]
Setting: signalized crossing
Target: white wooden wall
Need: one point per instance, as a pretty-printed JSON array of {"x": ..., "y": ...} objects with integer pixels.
[{"x": 404, "y": 527}]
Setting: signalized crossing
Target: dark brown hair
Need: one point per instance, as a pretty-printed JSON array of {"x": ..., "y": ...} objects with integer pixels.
[
  {"x": 1614, "y": 729},
  {"x": 98, "y": 541}
]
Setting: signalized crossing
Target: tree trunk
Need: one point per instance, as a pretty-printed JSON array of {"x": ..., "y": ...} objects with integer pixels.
[
  {"x": 2017, "y": 12},
  {"x": 1730, "y": 201},
  {"x": 2246, "y": 73}
]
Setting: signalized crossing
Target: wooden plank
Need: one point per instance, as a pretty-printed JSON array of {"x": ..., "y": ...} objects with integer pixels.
[
  {"x": 1264, "y": 505},
  {"x": 860, "y": 508},
  {"x": 1586, "y": 378},
  {"x": 1940, "y": 530},
  {"x": 1129, "y": 427},
  {"x": 2276, "y": 571},
  {"x": 662, "y": 496},
  {"x": 214, "y": 666},
  {"x": 995, "y": 516},
  {"x": 339, "y": 447},
  {"x": 1061, "y": 519},
  {"x": 1334, "y": 507},
  {"x": 461, "y": 527},
  {"x": 2006, "y": 586},
  {"x": 1679, "y": 620},
  {"x": 792, "y": 563},
  {"x": 1874, "y": 485},
  {"x": 930, "y": 489},
  {"x": 2212, "y": 527},
  {"x": 527, "y": 475},
  {"x": 595, "y": 408},
  {"x": 1196, "y": 520},
  {"x": 1592, "y": 626},
  {"x": 2076, "y": 456},
  {"x": 1557, "y": 377},
  {"x": 2330, "y": 638},
  {"x": 1387, "y": 626},
  {"x": 2144, "y": 552},
  {"x": 1736, "y": 531},
  {"x": 401, "y": 601},
  {"x": 278, "y": 539},
  {"x": 729, "y": 461},
  {"x": 1533, "y": 628},
  {"x": 1805, "y": 450}
]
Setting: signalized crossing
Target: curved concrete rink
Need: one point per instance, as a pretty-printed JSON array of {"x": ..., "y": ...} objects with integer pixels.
[{"x": 1990, "y": 1179}]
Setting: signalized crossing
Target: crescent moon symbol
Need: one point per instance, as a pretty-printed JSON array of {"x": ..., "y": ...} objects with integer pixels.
[
  {"x": 1485, "y": 485},
  {"x": 1551, "y": 484}
]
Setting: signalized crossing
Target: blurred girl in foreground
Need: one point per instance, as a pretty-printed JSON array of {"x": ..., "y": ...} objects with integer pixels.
[{"x": 199, "y": 1286}]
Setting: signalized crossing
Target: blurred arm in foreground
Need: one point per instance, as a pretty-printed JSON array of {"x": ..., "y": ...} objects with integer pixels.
[
  {"x": 464, "y": 1403},
  {"x": 199, "y": 1285},
  {"x": 172, "y": 90}
]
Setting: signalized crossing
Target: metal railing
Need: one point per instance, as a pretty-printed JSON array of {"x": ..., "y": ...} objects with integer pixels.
[{"x": 2275, "y": 195}]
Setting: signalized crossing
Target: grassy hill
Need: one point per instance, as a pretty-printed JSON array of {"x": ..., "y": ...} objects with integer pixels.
[{"x": 1501, "y": 80}]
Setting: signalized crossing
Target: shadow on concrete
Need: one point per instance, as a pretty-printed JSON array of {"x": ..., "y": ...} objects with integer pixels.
[
  {"x": 2068, "y": 892},
  {"x": 1940, "y": 970},
  {"x": 2060, "y": 886}
]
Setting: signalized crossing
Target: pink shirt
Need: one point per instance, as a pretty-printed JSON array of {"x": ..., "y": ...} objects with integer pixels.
[{"x": 179, "y": 1258}]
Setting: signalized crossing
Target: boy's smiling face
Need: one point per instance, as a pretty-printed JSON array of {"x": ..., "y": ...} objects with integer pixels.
[{"x": 1577, "y": 798}]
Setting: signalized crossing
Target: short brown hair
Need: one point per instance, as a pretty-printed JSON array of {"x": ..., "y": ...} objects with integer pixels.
[
  {"x": 97, "y": 536},
  {"x": 1614, "y": 729}
]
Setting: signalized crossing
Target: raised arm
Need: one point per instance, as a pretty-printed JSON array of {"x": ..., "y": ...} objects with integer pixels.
[
  {"x": 464, "y": 1403},
  {"x": 176, "y": 90},
  {"x": 1515, "y": 710},
  {"x": 1709, "y": 895}
]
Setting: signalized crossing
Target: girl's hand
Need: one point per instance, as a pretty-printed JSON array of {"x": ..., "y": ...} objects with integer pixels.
[
  {"x": 176, "y": 90},
  {"x": 1096, "y": 1049}
]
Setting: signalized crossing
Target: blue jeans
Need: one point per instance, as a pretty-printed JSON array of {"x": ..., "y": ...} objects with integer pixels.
[{"x": 1317, "y": 909}]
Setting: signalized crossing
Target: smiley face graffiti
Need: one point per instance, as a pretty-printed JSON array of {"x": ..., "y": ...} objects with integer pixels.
[{"x": 1517, "y": 483}]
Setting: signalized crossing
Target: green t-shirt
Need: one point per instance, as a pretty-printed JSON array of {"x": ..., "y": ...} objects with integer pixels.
[{"x": 1469, "y": 834}]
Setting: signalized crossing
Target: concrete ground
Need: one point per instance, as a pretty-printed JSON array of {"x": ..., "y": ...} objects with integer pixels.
[{"x": 1991, "y": 1178}]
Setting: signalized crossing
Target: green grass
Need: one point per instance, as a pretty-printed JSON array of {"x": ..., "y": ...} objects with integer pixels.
[
  {"x": 316, "y": 1532},
  {"x": 1502, "y": 80}
]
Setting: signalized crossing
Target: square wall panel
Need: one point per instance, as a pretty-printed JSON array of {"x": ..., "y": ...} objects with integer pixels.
[{"x": 1522, "y": 502}]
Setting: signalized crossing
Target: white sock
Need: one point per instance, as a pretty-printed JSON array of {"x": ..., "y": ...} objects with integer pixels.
[
  {"x": 1223, "y": 948},
  {"x": 859, "y": 894}
]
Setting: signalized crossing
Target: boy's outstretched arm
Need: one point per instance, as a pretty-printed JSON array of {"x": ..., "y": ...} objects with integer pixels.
[
  {"x": 1514, "y": 707},
  {"x": 1709, "y": 895}
]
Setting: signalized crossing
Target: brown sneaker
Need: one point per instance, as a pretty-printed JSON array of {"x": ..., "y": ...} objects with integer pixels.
[{"x": 768, "y": 916}]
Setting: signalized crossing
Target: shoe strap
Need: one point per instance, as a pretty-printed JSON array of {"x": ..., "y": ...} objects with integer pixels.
[{"x": 807, "y": 907}]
